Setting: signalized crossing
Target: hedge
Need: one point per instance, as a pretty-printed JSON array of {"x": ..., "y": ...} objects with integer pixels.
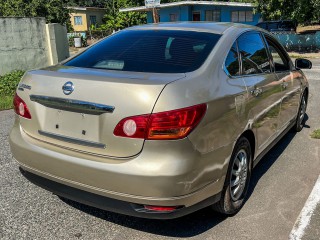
[{"x": 9, "y": 82}]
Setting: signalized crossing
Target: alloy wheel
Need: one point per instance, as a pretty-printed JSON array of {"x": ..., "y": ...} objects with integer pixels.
[{"x": 239, "y": 175}]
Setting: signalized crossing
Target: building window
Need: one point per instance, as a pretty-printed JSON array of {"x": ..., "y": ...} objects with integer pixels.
[
  {"x": 93, "y": 20},
  {"x": 196, "y": 16},
  {"x": 173, "y": 17},
  {"x": 249, "y": 16},
  {"x": 77, "y": 20},
  {"x": 213, "y": 15},
  {"x": 241, "y": 16}
]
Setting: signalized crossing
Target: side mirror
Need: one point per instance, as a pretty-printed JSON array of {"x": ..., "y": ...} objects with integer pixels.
[{"x": 302, "y": 63}]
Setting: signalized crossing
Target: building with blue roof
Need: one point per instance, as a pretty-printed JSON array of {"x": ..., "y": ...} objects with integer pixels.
[{"x": 201, "y": 11}]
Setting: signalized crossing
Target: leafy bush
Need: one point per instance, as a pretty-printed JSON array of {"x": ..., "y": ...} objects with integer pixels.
[
  {"x": 9, "y": 82},
  {"x": 316, "y": 134}
]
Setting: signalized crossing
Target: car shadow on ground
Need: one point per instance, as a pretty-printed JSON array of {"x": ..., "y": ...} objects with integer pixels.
[
  {"x": 192, "y": 224},
  {"x": 184, "y": 227}
]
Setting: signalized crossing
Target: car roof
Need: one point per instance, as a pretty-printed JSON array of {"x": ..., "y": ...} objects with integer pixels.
[{"x": 213, "y": 27}]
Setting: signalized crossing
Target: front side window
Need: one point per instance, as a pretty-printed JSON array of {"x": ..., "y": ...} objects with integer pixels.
[
  {"x": 160, "y": 51},
  {"x": 232, "y": 63},
  {"x": 77, "y": 20},
  {"x": 280, "y": 61},
  {"x": 253, "y": 54}
]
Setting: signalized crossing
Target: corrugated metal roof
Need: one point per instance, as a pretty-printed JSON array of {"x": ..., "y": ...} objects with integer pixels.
[
  {"x": 184, "y": 3},
  {"x": 86, "y": 8}
]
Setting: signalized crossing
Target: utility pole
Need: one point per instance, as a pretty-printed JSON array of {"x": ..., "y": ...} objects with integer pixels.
[{"x": 155, "y": 15}]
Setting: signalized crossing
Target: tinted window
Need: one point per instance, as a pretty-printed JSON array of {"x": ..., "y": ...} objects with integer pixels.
[
  {"x": 273, "y": 26},
  {"x": 262, "y": 25},
  {"x": 253, "y": 54},
  {"x": 232, "y": 61},
  {"x": 280, "y": 61},
  {"x": 287, "y": 25},
  {"x": 161, "y": 51}
]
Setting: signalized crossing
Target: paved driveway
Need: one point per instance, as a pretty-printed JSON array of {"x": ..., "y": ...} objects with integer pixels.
[{"x": 281, "y": 184}]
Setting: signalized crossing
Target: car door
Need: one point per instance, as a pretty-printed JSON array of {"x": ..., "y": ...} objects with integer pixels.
[
  {"x": 290, "y": 82},
  {"x": 265, "y": 92}
]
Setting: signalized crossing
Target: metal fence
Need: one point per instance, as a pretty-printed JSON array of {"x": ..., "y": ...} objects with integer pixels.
[{"x": 302, "y": 43}]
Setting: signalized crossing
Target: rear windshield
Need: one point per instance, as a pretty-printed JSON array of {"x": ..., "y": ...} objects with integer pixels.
[{"x": 159, "y": 51}]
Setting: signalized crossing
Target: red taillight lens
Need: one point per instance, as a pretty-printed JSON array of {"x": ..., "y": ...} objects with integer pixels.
[
  {"x": 175, "y": 124},
  {"x": 20, "y": 107},
  {"x": 133, "y": 127},
  {"x": 160, "y": 208}
]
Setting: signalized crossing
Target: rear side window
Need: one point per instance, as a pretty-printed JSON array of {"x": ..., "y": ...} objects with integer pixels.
[
  {"x": 232, "y": 63},
  {"x": 253, "y": 54},
  {"x": 160, "y": 51}
]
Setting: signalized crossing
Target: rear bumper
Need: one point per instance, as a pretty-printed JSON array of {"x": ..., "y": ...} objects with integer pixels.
[
  {"x": 110, "y": 204},
  {"x": 138, "y": 180}
]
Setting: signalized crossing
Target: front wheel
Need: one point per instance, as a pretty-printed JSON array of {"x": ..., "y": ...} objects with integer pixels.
[
  {"x": 301, "y": 114},
  {"x": 237, "y": 179}
]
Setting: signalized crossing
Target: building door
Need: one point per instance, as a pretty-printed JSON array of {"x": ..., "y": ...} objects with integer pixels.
[{"x": 196, "y": 16}]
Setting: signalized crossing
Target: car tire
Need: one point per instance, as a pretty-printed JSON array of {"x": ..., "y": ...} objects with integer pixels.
[
  {"x": 300, "y": 119},
  {"x": 238, "y": 177}
]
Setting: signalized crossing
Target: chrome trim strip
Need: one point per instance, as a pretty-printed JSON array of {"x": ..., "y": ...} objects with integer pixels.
[
  {"x": 72, "y": 140},
  {"x": 72, "y": 105}
]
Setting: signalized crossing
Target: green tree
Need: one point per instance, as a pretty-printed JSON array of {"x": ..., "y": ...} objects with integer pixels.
[
  {"x": 115, "y": 20},
  {"x": 303, "y": 11},
  {"x": 85, "y": 3},
  {"x": 53, "y": 10}
]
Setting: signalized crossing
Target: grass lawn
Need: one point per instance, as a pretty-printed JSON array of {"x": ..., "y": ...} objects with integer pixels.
[
  {"x": 316, "y": 134},
  {"x": 6, "y": 102}
]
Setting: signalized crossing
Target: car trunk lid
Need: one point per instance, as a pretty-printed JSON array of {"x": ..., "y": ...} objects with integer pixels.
[{"x": 78, "y": 108}]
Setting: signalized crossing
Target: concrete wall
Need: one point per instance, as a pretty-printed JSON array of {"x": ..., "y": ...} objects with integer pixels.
[
  {"x": 58, "y": 42},
  {"x": 27, "y": 43},
  {"x": 23, "y": 44}
]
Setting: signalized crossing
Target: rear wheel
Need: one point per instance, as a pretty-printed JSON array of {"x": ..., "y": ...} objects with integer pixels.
[
  {"x": 301, "y": 113},
  {"x": 237, "y": 179}
]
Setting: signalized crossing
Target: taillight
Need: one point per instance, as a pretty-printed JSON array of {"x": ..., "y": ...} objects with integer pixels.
[
  {"x": 133, "y": 127},
  {"x": 160, "y": 208},
  {"x": 20, "y": 107},
  {"x": 175, "y": 124}
]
